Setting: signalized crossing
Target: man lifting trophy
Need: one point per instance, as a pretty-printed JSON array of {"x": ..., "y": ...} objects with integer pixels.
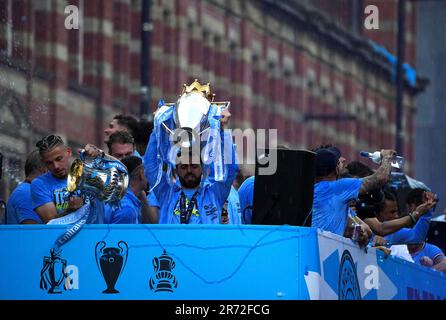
[{"x": 190, "y": 160}]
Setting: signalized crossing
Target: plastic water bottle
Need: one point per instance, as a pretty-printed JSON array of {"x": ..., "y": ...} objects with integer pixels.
[
  {"x": 397, "y": 161},
  {"x": 375, "y": 156}
]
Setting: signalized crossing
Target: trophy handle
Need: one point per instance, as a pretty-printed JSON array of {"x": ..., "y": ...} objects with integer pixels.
[
  {"x": 124, "y": 251},
  {"x": 156, "y": 264},
  {"x": 223, "y": 105},
  {"x": 98, "y": 250}
]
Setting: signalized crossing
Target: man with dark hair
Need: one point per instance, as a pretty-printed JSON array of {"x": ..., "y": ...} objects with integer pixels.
[
  {"x": 121, "y": 144},
  {"x": 134, "y": 207},
  {"x": 121, "y": 123},
  {"x": 48, "y": 191},
  {"x": 142, "y": 135},
  {"x": 424, "y": 253},
  {"x": 19, "y": 207},
  {"x": 388, "y": 224},
  {"x": 357, "y": 169},
  {"x": 190, "y": 199},
  {"x": 332, "y": 195}
]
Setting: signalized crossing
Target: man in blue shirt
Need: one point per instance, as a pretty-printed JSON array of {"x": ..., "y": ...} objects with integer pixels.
[
  {"x": 420, "y": 204},
  {"x": 231, "y": 213},
  {"x": 246, "y": 195},
  {"x": 134, "y": 208},
  {"x": 332, "y": 195},
  {"x": 48, "y": 192},
  {"x": 189, "y": 200},
  {"x": 121, "y": 122},
  {"x": 121, "y": 145},
  {"x": 19, "y": 207},
  {"x": 429, "y": 255}
]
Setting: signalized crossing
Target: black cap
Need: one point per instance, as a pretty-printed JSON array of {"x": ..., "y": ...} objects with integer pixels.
[{"x": 326, "y": 161}]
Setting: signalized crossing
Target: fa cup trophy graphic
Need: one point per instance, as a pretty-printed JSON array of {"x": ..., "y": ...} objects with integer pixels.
[
  {"x": 111, "y": 262},
  {"x": 163, "y": 279},
  {"x": 53, "y": 274}
]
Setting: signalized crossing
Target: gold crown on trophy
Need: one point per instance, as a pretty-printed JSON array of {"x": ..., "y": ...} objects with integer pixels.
[{"x": 197, "y": 87}]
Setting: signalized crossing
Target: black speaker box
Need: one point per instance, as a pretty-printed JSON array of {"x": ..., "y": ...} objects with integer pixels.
[{"x": 286, "y": 196}]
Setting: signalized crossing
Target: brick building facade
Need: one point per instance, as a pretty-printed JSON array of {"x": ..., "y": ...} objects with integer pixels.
[{"x": 278, "y": 62}]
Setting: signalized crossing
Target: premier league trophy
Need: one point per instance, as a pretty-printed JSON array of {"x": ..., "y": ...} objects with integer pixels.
[
  {"x": 111, "y": 262},
  {"x": 53, "y": 273},
  {"x": 193, "y": 122},
  {"x": 103, "y": 177},
  {"x": 193, "y": 109}
]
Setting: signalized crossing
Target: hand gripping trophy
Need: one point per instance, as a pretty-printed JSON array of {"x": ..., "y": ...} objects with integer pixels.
[
  {"x": 103, "y": 177},
  {"x": 192, "y": 122}
]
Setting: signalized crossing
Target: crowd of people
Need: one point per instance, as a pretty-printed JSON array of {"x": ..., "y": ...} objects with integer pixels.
[{"x": 350, "y": 199}]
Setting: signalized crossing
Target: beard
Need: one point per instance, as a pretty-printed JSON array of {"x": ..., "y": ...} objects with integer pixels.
[{"x": 190, "y": 181}]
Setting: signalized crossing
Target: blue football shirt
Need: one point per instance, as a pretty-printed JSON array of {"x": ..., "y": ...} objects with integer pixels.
[
  {"x": 429, "y": 250},
  {"x": 330, "y": 203},
  {"x": 246, "y": 196},
  {"x": 128, "y": 213},
  {"x": 19, "y": 206},
  {"x": 47, "y": 188}
]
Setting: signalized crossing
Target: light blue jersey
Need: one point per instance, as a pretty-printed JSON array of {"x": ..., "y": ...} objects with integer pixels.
[
  {"x": 429, "y": 250},
  {"x": 47, "y": 188},
  {"x": 234, "y": 211},
  {"x": 210, "y": 198},
  {"x": 417, "y": 234},
  {"x": 330, "y": 203},
  {"x": 246, "y": 195},
  {"x": 128, "y": 213},
  {"x": 19, "y": 206}
]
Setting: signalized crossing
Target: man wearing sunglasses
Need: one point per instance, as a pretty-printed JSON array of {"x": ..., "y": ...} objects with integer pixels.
[{"x": 48, "y": 192}]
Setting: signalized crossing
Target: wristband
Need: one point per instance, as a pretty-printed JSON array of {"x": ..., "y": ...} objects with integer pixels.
[{"x": 412, "y": 217}]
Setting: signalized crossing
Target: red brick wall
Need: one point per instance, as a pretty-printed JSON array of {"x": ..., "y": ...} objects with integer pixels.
[{"x": 213, "y": 56}]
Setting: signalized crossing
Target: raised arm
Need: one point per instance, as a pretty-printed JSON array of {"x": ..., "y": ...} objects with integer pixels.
[
  {"x": 387, "y": 227},
  {"x": 417, "y": 234},
  {"x": 151, "y": 170},
  {"x": 381, "y": 176},
  {"x": 222, "y": 189}
]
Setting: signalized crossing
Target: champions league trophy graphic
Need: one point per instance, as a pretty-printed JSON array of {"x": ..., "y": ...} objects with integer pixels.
[
  {"x": 111, "y": 262},
  {"x": 197, "y": 116},
  {"x": 163, "y": 279},
  {"x": 103, "y": 177},
  {"x": 53, "y": 273}
]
